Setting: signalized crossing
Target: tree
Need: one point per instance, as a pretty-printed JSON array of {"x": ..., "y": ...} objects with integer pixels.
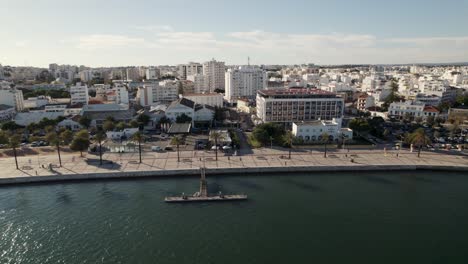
[
  {"x": 264, "y": 132},
  {"x": 325, "y": 139},
  {"x": 386, "y": 133},
  {"x": 14, "y": 143},
  {"x": 430, "y": 120},
  {"x": 216, "y": 136},
  {"x": 177, "y": 141},
  {"x": 99, "y": 138},
  {"x": 134, "y": 124},
  {"x": 143, "y": 119},
  {"x": 66, "y": 136},
  {"x": 85, "y": 121},
  {"x": 121, "y": 126},
  {"x": 183, "y": 118},
  {"x": 138, "y": 136},
  {"x": 288, "y": 141},
  {"x": 108, "y": 125},
  {"x": 80, "y": 142},
  {"x": 419, "y": 138},
  {"x": 418, "y": 120},
  {"x": 10, "y": 126},
  {"x": 54, "y": 139}
]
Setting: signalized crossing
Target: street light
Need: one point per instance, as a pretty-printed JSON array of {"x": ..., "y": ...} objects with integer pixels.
[{"x": 58, "y": 145}]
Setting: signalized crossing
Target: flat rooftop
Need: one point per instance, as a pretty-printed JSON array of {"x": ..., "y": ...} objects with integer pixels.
[{"x": 296, "y": 93}]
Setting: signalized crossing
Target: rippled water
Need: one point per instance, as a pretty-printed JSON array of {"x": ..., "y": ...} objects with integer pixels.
[{"x": 323, "y": 218}]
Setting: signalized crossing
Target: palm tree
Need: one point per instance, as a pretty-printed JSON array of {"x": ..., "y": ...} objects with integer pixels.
[
  {"x": 288, "y": 140},
  {"x": 138, "y": 136},
  {"x": 325, "y": 139},
  {"x": 419, "y": 138},
  {"x": 54, "y": 139},
  {"x": 177, "y": 141},
  {"x": 14, "y": 143},
  {"x": 215, "y": 135},
  {"x": 100, "y": 137}
]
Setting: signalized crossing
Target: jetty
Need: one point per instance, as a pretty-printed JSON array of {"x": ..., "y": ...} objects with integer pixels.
[{"x": 203, "y": 196}]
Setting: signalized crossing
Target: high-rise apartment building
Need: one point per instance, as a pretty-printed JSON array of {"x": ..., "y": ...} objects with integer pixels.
[
  {"x": 191, "y": 68},
  {"x": 214, "y": 75},
  {"x": 153, "y": 93},
  {"x": 244, "y": 82},
  {"x": 152, "y": 73}
]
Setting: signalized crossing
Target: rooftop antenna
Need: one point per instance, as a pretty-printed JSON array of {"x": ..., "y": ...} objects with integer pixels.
[{"x": 248, "y": 61}]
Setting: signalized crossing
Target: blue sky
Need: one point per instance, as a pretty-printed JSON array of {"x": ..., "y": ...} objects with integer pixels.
[{"x": 153, "y": 32}]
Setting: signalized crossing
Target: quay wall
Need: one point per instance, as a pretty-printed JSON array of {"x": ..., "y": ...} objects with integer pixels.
[{"x": 222, "y": 171}]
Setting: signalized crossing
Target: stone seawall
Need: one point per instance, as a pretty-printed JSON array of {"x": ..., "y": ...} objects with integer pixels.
[{"x": 223, "y": 171}]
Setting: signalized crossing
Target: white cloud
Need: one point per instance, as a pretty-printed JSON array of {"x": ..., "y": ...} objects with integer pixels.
[
  {"x": 282, "y": 48},
  {"x": 103, "y": 41},
  {"x": 21, "y": 44}
]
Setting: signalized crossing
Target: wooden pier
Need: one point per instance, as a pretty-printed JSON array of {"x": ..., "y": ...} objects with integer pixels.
[{"x": 203, "y": 196}]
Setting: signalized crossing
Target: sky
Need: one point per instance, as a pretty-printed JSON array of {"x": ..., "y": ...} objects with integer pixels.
[{"x": 154, "y": 32}]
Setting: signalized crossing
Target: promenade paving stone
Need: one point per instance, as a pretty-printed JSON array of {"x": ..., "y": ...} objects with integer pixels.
[{"x": 74, "y": 164}]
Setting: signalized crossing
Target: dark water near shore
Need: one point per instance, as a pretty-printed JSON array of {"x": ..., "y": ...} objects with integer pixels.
[{"x": 404, "y": 217}]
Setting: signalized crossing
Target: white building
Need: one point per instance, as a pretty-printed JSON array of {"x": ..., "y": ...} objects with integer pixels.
[
  {"x": 311, "y": 131},
  {"x": 295, "y": 105},
  {"x": 199, "y": 83},
  {"x": 214, "y": 75},
  {"x": 133, "y": 74},
  {"x": 364, "y": 102},
  {"x": 70, "y": 124},
  {"x": 211, "y": 99},
  {"x": 192, "y": 68},
  {"x": 244, "y": 82},
  {"x": 86, "y": 76},
  {"x": 11, "y": 97},
  {"x": 120, "y": 94},
  {"x": 412, "y": 109},
  {"x": 79, "y": 94},
  {"x": 152, "y": 73},
  {"x": 154, "y": 93},
  {"x": 118, "y": 135},
  {"x": 183, "y": 106}
]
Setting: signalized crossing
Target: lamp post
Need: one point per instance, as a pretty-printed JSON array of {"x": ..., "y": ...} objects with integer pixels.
[{"x": 58, "y": 145}]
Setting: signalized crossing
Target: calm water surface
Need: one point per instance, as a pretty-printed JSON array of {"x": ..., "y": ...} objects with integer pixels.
[{"x": 404, "y": 217}]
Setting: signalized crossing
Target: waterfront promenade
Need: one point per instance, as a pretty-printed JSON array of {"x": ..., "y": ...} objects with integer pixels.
[{"x": 36, "y": 168}]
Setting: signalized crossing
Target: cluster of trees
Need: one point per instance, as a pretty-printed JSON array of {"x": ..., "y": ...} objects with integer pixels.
[
  {"x": 269, "y": 133},
  {"x": 27, "y": 93}
]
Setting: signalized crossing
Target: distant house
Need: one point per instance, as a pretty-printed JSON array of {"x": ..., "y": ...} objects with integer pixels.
[
  {"x": 100, "y": 112},
  {"x": 197, "y": 112},
  {"x": 70, "y": 124},
  {"x": 6, "y": 112},
  {"x": 124, "y": 134}
]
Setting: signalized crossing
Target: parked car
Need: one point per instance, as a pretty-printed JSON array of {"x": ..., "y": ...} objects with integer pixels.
[
  {"x": 156, "y": 148},
  {"x": 168, "y": 148}
]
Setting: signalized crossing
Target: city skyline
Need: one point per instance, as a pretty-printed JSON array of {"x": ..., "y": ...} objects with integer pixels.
[{"x": 162, "y": 33}]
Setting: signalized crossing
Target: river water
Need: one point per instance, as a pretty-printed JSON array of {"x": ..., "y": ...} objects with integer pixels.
[{"x": 372, "y": 217}]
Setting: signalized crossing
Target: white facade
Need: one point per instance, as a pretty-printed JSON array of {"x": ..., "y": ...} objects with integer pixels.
[
  {"x": 121, "y": 94},
  {"x": 12, "y": 97},
  {"x": 117, "y": 135},
  {"x": 152, "y": 73},
  {"x": 79, "y": 94},
  {"x": 192, "y": 68},
  {"x": 244, "y": 82},
  {"x": 313, "y": 130},
  {"x": 412, "y": 109},
  {"x": 86, "y": 76},
  {"x": 153, "y": 93},
  {"x": 211, "y": 99},
  {"x": 214, "y": 75},
  {"x": 199, "y": 83}
]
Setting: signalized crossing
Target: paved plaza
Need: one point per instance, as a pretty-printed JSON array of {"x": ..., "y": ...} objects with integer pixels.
[{"x": 72, "y": 163}]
